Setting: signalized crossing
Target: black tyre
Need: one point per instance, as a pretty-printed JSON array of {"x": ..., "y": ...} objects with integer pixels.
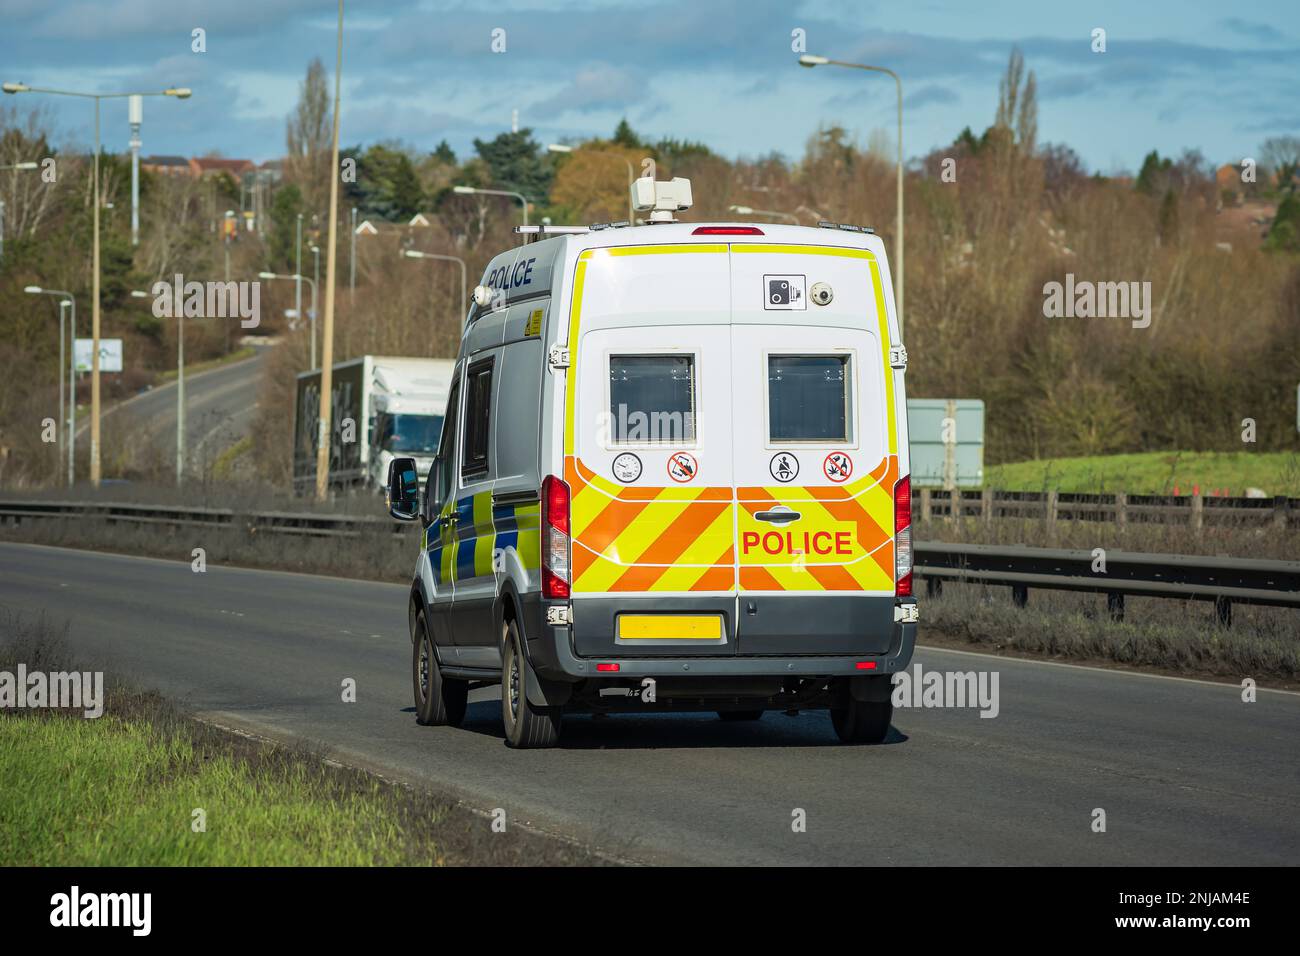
[
  {"x": 735, "y": 715},
  {"x": 862, "y": 722},
  {"x": 438, "y": 700},
  {"x": 527, "y": 727}
]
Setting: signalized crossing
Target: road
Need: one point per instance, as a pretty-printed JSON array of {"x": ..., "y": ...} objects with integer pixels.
[
  {"x": 1185, "y": 771},
  {"x": 220, "y": 404}
]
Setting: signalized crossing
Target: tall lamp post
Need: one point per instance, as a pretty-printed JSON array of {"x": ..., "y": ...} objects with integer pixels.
[
  {"x": 809, "y": 60},
  {"x": 310, "y": 282},
  {"x": 331, "y": 247},
  {"x": 178, "y": 92},
  {"x": 315, "y": 251},
  {"x": 297, "y": 270},
  {"x": 749, "y": 211},
  {"x": 464, "y": 301},
  {"x": 65, "y": 299},
  {"x": 631, "y": 215},
  {"x": 472, "y": 191}
]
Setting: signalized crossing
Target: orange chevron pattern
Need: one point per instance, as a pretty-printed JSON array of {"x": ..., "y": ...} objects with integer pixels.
[{"x": 644, "y": 539}]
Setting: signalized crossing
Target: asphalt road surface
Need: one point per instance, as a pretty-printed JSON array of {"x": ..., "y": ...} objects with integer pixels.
[
  {"x": 1185, "y": 771},
  {"x": 220, "y": 404}
]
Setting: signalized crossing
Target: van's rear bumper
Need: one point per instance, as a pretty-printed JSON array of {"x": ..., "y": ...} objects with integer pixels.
[{"x": 551, "y": 652}]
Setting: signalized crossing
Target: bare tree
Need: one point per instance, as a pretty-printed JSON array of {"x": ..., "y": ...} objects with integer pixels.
[
  {"x": 309, "y": 137},
  {"x": 1281, "y": 154},
  {"x": 1018, "y": 104},
  {"x": 27, "y": 194}
]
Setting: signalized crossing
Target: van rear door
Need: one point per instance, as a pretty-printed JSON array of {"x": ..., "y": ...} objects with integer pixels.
[
  {"x": 648, "y": 452},
  {"x": 814, "y": 452}
]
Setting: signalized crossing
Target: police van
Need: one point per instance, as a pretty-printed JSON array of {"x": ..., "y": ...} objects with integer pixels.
[{"x": 673, "y": 475}]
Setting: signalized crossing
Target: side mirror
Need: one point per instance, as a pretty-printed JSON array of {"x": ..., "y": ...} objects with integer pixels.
[{"x": 403, "y": 489}]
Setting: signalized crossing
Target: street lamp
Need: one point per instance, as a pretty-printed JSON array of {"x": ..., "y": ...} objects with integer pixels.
[
  {"x": 561, "y": 148},
  {"x": 65, "y": 299},
  {"x": 471, "y": 191},
  {"x": 180, "y": 93},
  {"x": 748, "y": 211},
  {"x": 315, "y": 251},
  {"x": 416, "y": 254},
  {"x": 297, "y": 269},
  {"x": 809, "y": 60},
  {"x": 180, "y": 386},
  {"x": 300, "y": 278}
]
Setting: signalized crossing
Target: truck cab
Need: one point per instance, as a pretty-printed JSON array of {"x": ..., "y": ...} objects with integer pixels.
[{"x": 673, "y": 476}]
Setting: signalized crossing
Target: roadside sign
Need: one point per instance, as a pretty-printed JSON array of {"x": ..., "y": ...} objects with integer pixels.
[
  {"x": 946, "y": 441},
  {"x": 110, "y": 355}
]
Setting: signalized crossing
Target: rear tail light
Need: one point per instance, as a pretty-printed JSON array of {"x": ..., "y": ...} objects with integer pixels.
[
  {"x": 903, "y": 537},
  {"x": 555, "y": 538}
]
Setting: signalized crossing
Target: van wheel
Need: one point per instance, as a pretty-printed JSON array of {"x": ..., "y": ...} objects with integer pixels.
[
  {"x": 862, "y": 722},
  {"x": 734, "y": 715},
  {"x": 527, "y": 727},
  {"x": 438, "y": 700}
]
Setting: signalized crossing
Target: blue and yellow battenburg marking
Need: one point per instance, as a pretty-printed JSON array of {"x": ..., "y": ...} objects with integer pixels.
[{"x": 483, "y": 529}]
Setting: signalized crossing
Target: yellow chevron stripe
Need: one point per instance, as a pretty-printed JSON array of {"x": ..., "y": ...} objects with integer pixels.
[
  {"x": 699, "y": 555},
  {"x": 802, "y": 250},
  {"x": 883, "y": 320}
]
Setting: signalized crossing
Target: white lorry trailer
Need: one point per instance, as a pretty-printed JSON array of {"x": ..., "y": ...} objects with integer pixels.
[{"x": 382, "y": 405}]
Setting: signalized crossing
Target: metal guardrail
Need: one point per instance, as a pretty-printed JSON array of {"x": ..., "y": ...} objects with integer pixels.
[
  {"x": 1195, "y": 511},
  {"x": 1117, "y": 574},
  {"x": 269, "y": 522}
]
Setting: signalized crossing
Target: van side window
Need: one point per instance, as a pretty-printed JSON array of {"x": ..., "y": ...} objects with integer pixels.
[
  {"x": 444, "y": 464},
  {"x": 809, "y": 398},
  {"x": 478, "y": 408},
  {"x": 652, "y": 399}
]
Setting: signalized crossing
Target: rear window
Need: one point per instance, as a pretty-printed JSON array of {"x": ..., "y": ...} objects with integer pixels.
[
  {"x": 652, "y": 399},
  {"x": 808, "y": 398}
]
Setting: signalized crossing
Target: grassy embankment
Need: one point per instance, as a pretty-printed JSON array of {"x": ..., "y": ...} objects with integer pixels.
[
  {"x": 122, "y": 790},
  {"x": 1275, "y": 473}
]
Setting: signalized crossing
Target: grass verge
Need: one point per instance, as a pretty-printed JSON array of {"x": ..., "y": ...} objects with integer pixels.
[
  {"x": 1170, "y": 637},
  {"x": 1155, "y": 473},
  {"x": 123, "y": 790}
]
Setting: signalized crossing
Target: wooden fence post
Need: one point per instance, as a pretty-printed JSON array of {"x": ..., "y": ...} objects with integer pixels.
[
  {"x": 1121, "y": 508},
  {"x": 1198, "y": 511}
]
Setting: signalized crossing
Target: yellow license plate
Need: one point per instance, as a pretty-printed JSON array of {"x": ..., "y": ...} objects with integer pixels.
[{"x": 670, "y": 627}]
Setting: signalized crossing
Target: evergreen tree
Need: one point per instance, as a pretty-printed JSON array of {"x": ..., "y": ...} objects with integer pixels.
[{"x": 516, "y": 163}]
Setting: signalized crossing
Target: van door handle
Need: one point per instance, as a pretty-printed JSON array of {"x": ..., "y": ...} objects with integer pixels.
[{"x": 779, "y": 517}]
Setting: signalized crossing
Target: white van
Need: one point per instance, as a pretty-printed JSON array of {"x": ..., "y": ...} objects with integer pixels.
[{"x": 673, "y": 476}]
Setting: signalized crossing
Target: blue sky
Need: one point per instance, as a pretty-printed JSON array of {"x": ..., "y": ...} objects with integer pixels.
[{"x": 1176, "y": 73}]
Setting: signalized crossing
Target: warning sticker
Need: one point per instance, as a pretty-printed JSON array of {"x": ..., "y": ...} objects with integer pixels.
[
  {"x": 682, "y": 467},
  {"x": 785, "y": 292},
  {"x": 784, "y": 467},
  {"x": 838, "y": 466},
  {"x": 627, "y": 467},
  {"x": 534, "y": 324}
]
